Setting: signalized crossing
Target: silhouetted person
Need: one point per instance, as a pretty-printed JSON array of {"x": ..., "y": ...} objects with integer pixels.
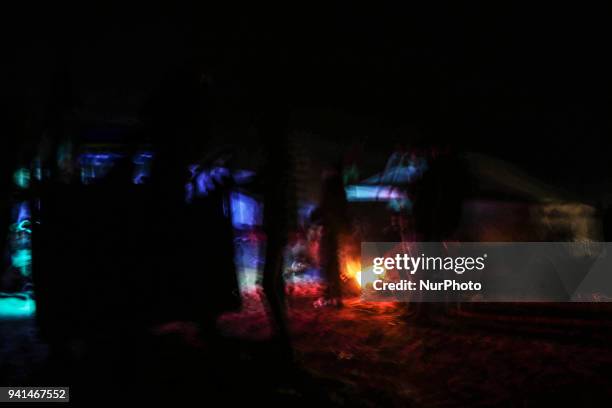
[
  {"x": 60, "y": 262},
  {"x": 439, "y": 198},
  {"x": 194, "y": 252},
  {"x": 437, "y": 211},
  {"x": 57, "y": 213},
  {"x": 175, "y": 120},
  {"x": 208, "y": 245},
  {"x": 279, "y": 218},
  {"x": 334, "y": 219}
]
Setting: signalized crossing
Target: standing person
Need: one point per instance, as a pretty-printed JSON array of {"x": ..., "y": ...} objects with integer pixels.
[
  {"x": 334, "y": 219},
  {"x": 279, "y": 218},
  {"x": 175, "y": 119},
  {"x": 208, "y": 244},
  {"x": 437, "y": 213}
]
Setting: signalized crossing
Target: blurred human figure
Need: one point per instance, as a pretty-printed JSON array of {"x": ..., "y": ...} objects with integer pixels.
[
  {"x": 439, "y": 198},
  {"x": 437, "y": 213},
  {"x": 334, "y": 220},
  {"x": 61, "y": 260},
  {"x": 279, "y": 218},
  {"x": 393, "y": 231},
  {"x": 195, "y": 250},
  {"x": 208, "y": 245}
]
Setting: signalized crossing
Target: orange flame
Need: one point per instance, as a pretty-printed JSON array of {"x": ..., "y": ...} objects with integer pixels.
[
  {"x": 353, "y": 270},
  {"x": 352, "y": 274}
]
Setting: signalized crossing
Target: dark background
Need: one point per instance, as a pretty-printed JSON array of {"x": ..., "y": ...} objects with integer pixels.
[{"x": 525, "y": 82}]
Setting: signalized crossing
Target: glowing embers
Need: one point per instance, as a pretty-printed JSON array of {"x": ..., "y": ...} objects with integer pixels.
[
  {"x": 352, "y": 269},
  {"x": 354, "y": 280}
]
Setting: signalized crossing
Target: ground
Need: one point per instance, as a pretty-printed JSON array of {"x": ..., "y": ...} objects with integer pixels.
[{"x": 374, "y": 354}]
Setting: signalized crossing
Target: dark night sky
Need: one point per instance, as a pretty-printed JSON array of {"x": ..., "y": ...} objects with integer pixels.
[{"x": 527, "y": 83}]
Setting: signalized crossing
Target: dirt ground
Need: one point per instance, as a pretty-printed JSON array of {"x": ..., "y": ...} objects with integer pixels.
[
  {"x": 365, "y": 354},
  {"x": 380, "y": 352}
]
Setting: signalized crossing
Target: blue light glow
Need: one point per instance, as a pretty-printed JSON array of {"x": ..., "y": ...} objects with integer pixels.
[
  {"x": 22, "y": 178},
  {"x": 142, "y": 167},
  {"x": 24, "y": 226},
  {"x": 362, "y": 192},
  {"x": 96, "y": 165},
  {"x": 22, "y": 260},
  {"x": 204, "y": 183},
  {"x": 16, "y": 307},
  {"x": 246, "y": 211},
  {"x": 24, "y": 212},
  {"x": 243, "y": 176}
]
